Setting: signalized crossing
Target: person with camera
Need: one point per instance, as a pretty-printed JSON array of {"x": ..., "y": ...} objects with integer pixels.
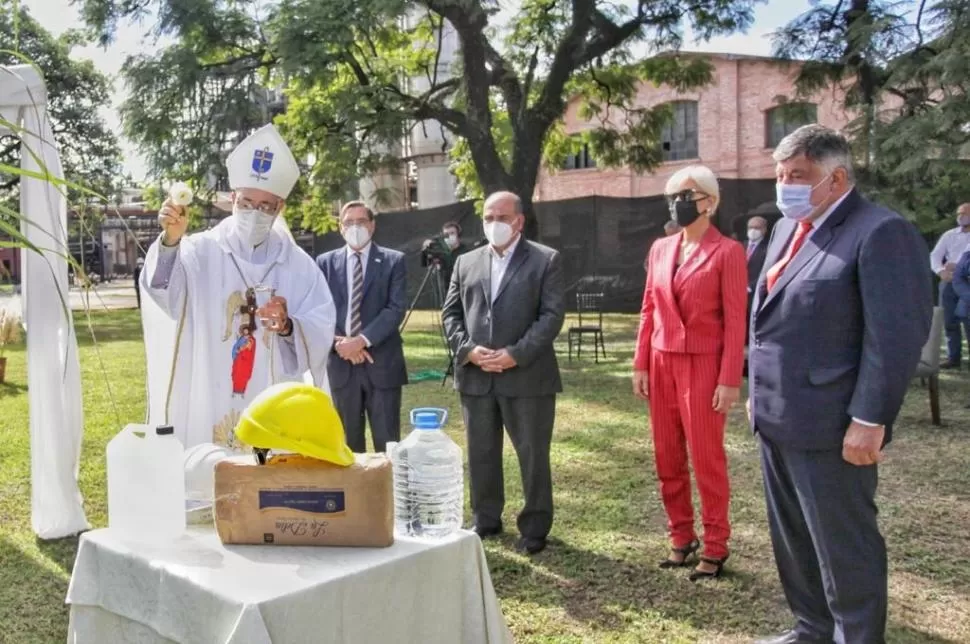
[{"x": 443, "y": 250}]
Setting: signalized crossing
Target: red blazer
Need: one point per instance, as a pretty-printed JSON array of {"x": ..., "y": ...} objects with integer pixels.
[{"x": 702, "y": 308}]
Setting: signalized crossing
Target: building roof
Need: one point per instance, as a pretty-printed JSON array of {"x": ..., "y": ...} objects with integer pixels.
[{"x": 727, "y": 56}]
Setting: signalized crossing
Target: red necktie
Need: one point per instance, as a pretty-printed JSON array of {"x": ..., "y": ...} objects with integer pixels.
[{"x": 801, "y": 234}]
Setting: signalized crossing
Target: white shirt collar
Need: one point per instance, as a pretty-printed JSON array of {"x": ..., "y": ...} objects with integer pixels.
[
  {"x": 508, "y": 251},
  {"x": 364, "y": 252},
  {"x": 825, "y": 215}
]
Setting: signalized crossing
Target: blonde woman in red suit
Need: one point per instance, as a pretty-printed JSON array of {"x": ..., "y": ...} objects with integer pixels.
[{"x": 690, "y": 352}]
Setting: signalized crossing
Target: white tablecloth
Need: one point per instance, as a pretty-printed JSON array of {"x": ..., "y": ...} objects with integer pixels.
[{"x": 198, "y": 591}]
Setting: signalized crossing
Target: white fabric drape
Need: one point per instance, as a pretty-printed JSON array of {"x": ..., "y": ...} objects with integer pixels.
[{"x": 53, "y": 370}]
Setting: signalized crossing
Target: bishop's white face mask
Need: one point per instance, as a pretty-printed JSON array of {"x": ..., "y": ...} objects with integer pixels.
[
  {"x": 356, "y": 236},
  {"x": 754, "y": 234},
  {"x": 253, "y": 226}
]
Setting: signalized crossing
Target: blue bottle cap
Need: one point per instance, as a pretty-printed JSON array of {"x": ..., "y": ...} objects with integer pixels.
[{"x": 427, "y": 420}]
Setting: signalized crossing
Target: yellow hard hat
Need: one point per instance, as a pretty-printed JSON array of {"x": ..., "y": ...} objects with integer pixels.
[{"x": 295, "y": 417}]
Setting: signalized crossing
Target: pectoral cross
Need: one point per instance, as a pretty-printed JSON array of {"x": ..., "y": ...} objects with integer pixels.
[{"x": 249, "y": 309}]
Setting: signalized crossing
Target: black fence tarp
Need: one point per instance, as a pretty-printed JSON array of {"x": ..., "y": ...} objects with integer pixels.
[
  {"x": 603, "y": 240},
  {"x": 407, "y": 230}
]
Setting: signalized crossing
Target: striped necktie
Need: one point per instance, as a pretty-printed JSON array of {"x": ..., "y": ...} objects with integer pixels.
[{"x": 356, "y": 295}]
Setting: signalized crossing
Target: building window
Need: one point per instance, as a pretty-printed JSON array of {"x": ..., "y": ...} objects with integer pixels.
[
  {"x": 678, "y": 139},
  {"x": 580, "y": 160},
  {"x": 783, "y": 120}
]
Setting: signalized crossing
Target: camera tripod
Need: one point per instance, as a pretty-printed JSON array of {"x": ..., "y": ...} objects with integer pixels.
[{"x": 432, "y": 276}]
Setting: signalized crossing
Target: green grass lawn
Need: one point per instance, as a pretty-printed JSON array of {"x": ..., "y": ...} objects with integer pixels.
[{"x": 598, "y": 581}]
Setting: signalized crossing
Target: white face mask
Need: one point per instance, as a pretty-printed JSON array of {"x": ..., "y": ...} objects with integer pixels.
[
  {"x": 794, "y": 200},
  {"x": 452, "y": 241},
  {"x": 498, "y": 233},
  {"x": 754, "y": 234},
  {"x": 356, "y": 236},
  {"x": 253, "y": 226}
]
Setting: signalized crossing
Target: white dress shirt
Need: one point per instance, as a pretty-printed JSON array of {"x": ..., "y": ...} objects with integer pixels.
[
  {"x": 828, "y": 213},
  {"x": 500, "y": 264},
  {"x": 948, "y": 249},
  {"x": 752, "y": 246},
  {"x": 351, "y": 264}
]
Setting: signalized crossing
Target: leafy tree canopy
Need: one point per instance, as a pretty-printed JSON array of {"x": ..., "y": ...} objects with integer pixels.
[
  {"x": 906, "y": 66},
  {"x": 357, "y": 76},
  {"x": 76, "y": 90}
]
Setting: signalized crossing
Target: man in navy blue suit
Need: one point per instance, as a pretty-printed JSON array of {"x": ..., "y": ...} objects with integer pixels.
[
  {"x": 842, "y": 309},
  {"x": 961, "y": 287},
  {"x": 366, "y": 367}
]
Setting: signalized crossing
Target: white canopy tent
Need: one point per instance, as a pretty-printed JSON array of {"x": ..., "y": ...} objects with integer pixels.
[{"x": 53, "y": 370}]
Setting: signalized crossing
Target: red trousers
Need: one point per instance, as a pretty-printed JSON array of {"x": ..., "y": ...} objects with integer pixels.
[{"x": 683, "y": 418}]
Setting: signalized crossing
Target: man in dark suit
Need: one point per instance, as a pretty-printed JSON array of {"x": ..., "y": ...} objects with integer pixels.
[
  {"x": 756, "y": 248},
  {"x": 366, "y": 367},
  {"x": 504, "y": 308},
  {"x": 841, "y": 313},
  {"x": 960, "y": 281},
  {"x": 139, "y": 266}
]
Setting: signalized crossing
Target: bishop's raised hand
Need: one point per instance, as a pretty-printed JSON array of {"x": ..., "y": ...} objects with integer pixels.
[{"x": 174, "y": 221}]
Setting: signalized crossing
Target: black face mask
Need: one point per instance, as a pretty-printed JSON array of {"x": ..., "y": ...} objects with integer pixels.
[{"x": 684, "y": 212}]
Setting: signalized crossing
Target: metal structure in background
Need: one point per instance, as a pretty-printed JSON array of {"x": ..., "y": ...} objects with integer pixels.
[{"x": 433, "y": 283}]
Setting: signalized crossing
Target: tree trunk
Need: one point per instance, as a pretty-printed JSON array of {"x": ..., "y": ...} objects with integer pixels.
[
  {"x": 522, "y": 183},
  {"x": 531, "y": 229},
  {"x": 859, "y": 13},
  {"x": 526, "y": 160}
]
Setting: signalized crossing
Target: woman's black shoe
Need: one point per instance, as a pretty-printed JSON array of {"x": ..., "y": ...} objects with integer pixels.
[
  {"x": 685, "y": 552},
  {"x": 713, "y": 574}
]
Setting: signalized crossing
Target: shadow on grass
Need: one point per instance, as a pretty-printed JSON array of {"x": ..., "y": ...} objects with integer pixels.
[
  {"x": 60, "y": 551},
  {"x": 597, "y": 590},
  {"x": 898, "y": 634},
  {"x": 11, "y": 389},
  {"x": 32, "y": 597}
]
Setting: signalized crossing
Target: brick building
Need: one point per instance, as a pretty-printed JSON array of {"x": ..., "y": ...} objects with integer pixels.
[{"x": 730, "y": 125}]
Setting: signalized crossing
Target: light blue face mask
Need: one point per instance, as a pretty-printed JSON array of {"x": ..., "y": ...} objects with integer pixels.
[{"x": 794, "y": 200}]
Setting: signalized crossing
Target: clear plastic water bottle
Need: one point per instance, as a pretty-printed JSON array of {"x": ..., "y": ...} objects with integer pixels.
[
  {"x": 146, "y": 484},
  {"x": 429, "y": 488}
]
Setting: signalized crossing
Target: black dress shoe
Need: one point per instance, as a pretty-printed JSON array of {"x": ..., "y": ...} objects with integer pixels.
[
  {"x": 949, "y": 364},
  {"x": 485, "y": 532},
  {"x": 791, "y": 637},
  {"x": 530, "y": 546}
]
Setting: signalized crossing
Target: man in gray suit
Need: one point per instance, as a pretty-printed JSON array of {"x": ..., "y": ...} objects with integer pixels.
[
  {"x": 504, "y": 308},
  {"x": 841, "y": 312}
]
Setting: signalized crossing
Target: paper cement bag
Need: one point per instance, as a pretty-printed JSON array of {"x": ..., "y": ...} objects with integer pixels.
[{"x": 300, "y": 501}]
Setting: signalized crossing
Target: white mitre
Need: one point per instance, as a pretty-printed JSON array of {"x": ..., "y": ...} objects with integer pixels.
[{"x": 263, "y": 161}]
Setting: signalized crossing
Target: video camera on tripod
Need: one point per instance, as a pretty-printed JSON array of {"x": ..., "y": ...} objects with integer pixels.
[
  {"x": 436, "y": 251},
  {"x": 438, "y": 258}
]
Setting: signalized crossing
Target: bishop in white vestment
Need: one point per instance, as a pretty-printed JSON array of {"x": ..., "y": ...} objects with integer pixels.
[{"x": 235, "y": 309}]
